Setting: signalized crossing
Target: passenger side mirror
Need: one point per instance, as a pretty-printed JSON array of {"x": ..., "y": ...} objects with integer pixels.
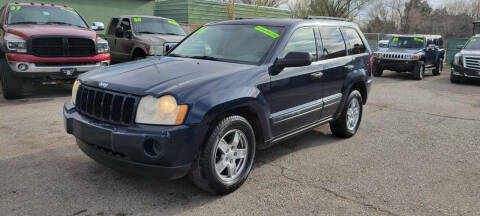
[
  {"x": 98, "y": 26},
  {"x": 293, "y": 59},
  {"x": 119, "y": 32},
  {"x": 460, "y": 47},
  {"x": 128, "y": 34}
]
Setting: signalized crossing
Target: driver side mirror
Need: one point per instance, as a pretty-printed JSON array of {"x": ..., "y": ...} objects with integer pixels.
[
  {"x": 292, "y": 59},
  {"x": 119, "y": 32},
  {"x": 460, "y": 47},
  {"x": 98, "y": 26}
]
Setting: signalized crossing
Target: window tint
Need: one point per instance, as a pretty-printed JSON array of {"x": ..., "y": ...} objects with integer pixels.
[
  {"x": 333, "y": 44},
  {"x": 113, "y": 26},
  {"x": 356, "y": 45},
  {"x": 126, "y": 24},
  {"x": 302, "y": 40}
]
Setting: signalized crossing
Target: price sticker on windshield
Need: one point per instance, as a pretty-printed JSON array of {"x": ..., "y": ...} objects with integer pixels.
[
  {"x": 173, "y": 22},
  {"x": 70, "y": 11},
  {"x": 419, "y": 40},
  {"x": 137, "y": 19},
  {"x": 395, "y": 39},
  {"x": 14, "y": 8},
  {"x": 201, "y": 30},
  {"x": 267, "y": 31},
  {"x": 474, "y": 40}
]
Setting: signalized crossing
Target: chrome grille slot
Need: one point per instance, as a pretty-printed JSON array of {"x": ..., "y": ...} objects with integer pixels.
[
  {"x": 471, "y": 62},
  {"x": 108, "y": 106}
]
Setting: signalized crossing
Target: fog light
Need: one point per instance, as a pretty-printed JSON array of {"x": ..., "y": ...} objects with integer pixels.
[
  {"x": 153, "y": 148},
  {"x": 22, "y": 67}
]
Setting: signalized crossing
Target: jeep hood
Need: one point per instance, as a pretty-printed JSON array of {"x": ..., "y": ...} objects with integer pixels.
[
  {"x": 159, "y": 39},
  {"x": 159, "y": 75},
  {"x": 27, "y": 31}
]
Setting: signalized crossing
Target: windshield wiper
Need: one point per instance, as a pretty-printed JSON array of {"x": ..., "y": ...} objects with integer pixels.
[
  {"x": 176, "y": 55},
  {"x": 170, "y": 34},
  {"x": 204, "y": 58},
  {"x": 147, "y": 32},
  {"x": 26, "y": 22},
  {"x": 63, "y": 23}
]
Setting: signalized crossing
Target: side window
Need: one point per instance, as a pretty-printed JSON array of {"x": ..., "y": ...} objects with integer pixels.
[
  {"x": 302, "y": 40},
  {"x": 356, "y": 45},
  {"x": 113, "y": 26},
  {"x": 125, "y": 24},
  {"x": 333, "y": 43}
]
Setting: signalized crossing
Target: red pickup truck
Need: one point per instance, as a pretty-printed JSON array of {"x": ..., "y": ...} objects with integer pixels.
[{"x": 46, "y": 43}]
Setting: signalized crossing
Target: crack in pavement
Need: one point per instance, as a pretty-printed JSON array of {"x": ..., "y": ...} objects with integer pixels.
[
  {"x": 336, "y": 194},
  {"x": 384, "y": 107}
]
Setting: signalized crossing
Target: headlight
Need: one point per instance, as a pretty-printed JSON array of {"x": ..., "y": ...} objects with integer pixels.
[
  {"x": 160, "y": 111},
  {"x": 102, "y": 47},
  {"x": 19, "y": 46},
  {"x": 76, "y": 84},
  {"x": 456, "y": 60},
  {"x": 156, "y": 50}
]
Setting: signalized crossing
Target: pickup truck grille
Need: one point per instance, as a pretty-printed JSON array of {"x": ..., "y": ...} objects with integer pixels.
[
  {"x": 107, "y": 106},
  {"x": 62, "y": 47},
  {"x": 472, "y": 62}
]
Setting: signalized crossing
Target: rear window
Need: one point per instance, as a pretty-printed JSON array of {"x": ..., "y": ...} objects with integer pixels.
[
  {"x": 356, "y": 45},
  {"x": 333, "y": 44},
  {"x": 18, "y": 15}
]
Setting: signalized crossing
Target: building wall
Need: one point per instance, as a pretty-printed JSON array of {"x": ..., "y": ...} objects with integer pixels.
[
  {"x": 101, "y": 10},
  {"x": 202, "y": 11}
]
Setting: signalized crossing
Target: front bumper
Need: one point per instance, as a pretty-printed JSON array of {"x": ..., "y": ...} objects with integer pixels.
[
  {"x": 465, "y": 73},
  {"x": 129, "y": 148},
  {"x": 395, "y": 64},
  {"x": 35, "y": 68}
]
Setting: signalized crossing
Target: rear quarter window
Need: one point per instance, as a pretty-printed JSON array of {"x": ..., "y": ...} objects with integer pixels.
[
  {"x": 333, "y": 43},
  {"x": 356, "y": 45}
]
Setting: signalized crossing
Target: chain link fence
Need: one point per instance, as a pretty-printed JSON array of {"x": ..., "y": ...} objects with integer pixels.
[{"x": 374, "y": 38}]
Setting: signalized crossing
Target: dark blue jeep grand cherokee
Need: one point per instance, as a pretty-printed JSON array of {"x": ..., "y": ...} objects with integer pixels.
[{"x": 226, "y": 90}]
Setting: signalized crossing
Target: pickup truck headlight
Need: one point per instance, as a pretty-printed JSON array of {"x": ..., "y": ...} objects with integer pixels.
[
  {"x": 19, "y": 46},
  {"x": 76, "y": 84},
  {"x": 156, "y": 50},
  {"x": 456, "y": 60},
  {"x": 102, "y": 47},
  {"x": 160, "y": 111}
]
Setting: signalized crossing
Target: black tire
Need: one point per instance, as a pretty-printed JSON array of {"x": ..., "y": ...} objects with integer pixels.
[
  {"x": 438, "y": 68},
  {"x": 340, "y": 127},
  {"x": 203, "y": 172},
  {"x": 419, "y": 71},
  {"x": 11, "y": 84},
  {"x": 455, "y": 79},
  {"x": 377, "y": 72}
]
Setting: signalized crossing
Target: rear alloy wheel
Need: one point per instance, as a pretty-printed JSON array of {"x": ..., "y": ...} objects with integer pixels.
[
  {"x": 439, "y": 68},
  {"x": 419, "y": 71},
  {"x": 225, "y": 162},
  {"x": 349, "y": 122}
]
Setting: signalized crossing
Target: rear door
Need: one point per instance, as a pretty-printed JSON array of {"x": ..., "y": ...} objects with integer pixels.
[
  {"x": 295, "y": 93},
  {"x": 336, "y": 64}
]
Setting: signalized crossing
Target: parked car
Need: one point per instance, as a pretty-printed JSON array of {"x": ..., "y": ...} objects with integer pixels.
[
  {"x": 227, "y": 89},
  {"x": 383, "y": 43},
  {"x": 411, "y": 53},
  {"x": 46, "y": 43},
  {"x": 135, "y": 37},
  {"x": 466, "y": 64}
]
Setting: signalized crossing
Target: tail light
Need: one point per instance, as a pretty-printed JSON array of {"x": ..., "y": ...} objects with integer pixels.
[{"x": 371, "y": 65}]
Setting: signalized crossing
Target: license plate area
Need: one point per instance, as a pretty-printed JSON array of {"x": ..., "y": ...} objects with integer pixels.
[{"x": 69, "y": 71}]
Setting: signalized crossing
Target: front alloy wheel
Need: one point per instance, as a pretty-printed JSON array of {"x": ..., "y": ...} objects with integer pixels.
[
  {"x": 226, "y": 159},
  {"x": 349, "y": 121}
]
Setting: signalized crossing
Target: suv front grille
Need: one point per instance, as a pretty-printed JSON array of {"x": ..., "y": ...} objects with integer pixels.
[
  {"x": 62, "y": 47},
  {"x": 396, "y": 56},
  {"x": 472, "y": 62},
  {"x": 112, "y": 107}
]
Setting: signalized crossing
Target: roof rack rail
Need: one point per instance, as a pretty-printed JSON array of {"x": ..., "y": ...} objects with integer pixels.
[{"x": 326, "y": 17}]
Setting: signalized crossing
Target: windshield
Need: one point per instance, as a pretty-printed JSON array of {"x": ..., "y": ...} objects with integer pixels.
[
  {"x": 232, "y": 43},
  {"x": 406, "y": 42},
  {"x": 43, "y": 15},
  {"x": 145, "y": 25},
  {"x": 474, "y": 43}
]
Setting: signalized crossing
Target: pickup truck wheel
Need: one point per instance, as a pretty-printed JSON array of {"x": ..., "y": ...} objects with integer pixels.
[
  {"x": 349, "y": 122},
  {"x": 226, "y": 160},
  {"x": 377, "y": 72},
  {"x": 11, "y": 84},
  {"x": 438, "y": 68},
  {"x": 419, "y": 71}
]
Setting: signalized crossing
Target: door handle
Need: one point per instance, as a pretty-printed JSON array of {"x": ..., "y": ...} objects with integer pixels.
[
  {"x": 349, "y": 68},
  {"x": 316, "y": 75}
]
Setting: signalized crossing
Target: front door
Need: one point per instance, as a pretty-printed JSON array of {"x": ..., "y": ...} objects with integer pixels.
[
  {"x": 124, "y": 45},
  {"x": 295, "y": 93},
  {"x": 430, "y": 52},
  {"x": 337, "y": 64}
]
